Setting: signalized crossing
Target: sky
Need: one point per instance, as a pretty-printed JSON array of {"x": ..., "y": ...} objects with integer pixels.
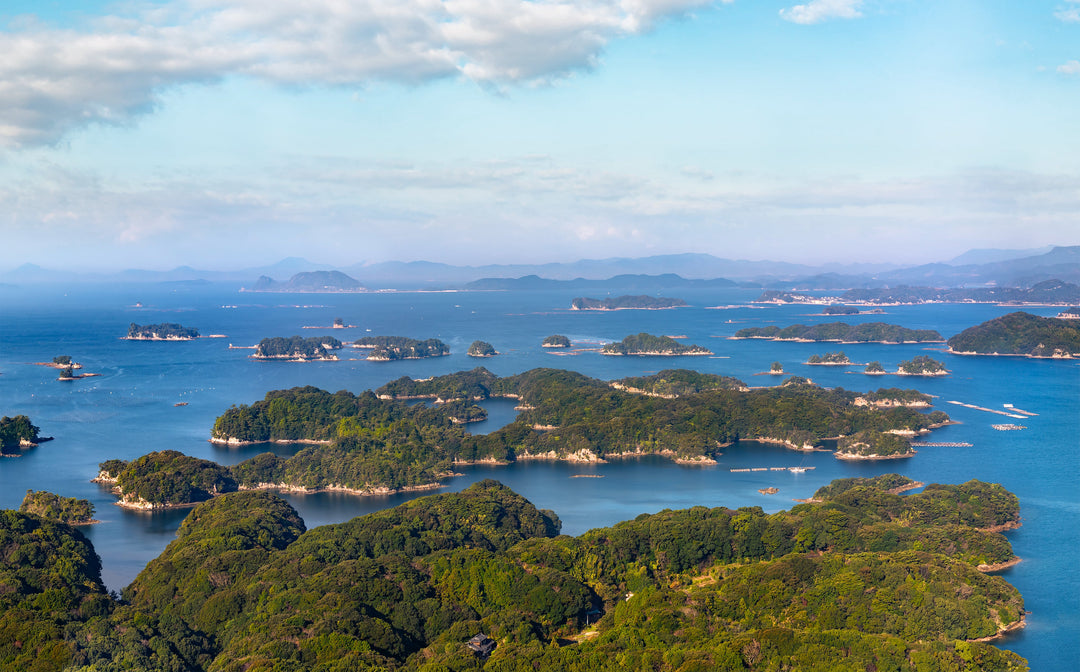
[{"x": 232, "y": 133}]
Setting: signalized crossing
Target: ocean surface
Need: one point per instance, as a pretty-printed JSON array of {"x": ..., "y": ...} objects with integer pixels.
[{"x": 129, "y": 410}]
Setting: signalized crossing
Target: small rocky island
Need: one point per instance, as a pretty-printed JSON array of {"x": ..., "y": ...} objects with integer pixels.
[
  {"x": 829, "y": 359},
  {"x": 874, "y": 369},
  {"x": 556, "y": 341},
  {"x": 54, "y": 507},
  {"x": 921, "y": 365},
  {"x": 1021, "y": 334},
  {"x": 873, "y": 445},
  {"x": 168, "y": 331},
  {"x": 648, "y": 345},
  {"x": 627, "y": 302},
  {"x": 391, "y": 348},
  {"x": 16, "y": 434},
  {"x": 868, "y": 332},
  {"x": 297, "y": 349},
  {"x": 481, "y": 349}
]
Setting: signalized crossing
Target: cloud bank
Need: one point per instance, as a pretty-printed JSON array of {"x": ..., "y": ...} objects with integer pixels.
[
  {"x": 53, "y": 80},
  {"x": 817, "y": 11}
]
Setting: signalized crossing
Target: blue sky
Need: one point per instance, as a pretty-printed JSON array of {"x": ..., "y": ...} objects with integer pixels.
[{"x": 222, "y": 133}]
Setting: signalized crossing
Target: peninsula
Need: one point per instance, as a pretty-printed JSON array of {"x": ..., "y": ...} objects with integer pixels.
[
  {"x": 168, "y": 331},
  {"x": 297, "y": 349},
  {"x": 16, "y": 434},
  {"x": 390, "y": 348},
  {"x": 54, "y": 507},
  {"x": 838, "y": 583},
  {"x": 867, "y": 332},
  {"x": 1021, "y": 334},
  {"x": 627, "y": 302},
  {"x": 648, "y": 345}
]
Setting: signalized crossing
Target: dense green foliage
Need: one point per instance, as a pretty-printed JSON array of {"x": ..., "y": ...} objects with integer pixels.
[
  {"x": 896, "y": 395},
  {"x": 297, "y": 347},
  {"x": 679, "y": 382},
  {"x": 164, "y": 331},
  {"x": 874, "y": 367},
  {"x": 388, "y": 348},
  {"x": 829, "y": 358},
  {"x": 868, "y": 332},
  {"x": 62, "y": 360},
  {"x": 1020, "y": 333},
  {"x": 623, "y": 302},
  {"x": 556, "y": 341},
  {"x": 871, "y": 443},
  {"x": 922, "y": 365},
  {"x": 647, "y": 344},
  {"x": 864, "y": 580},
  {"x": 170, "y": 478},
  {"x": 63, "y": 509},
  {"x": 16, "y": 431},
  {"x": 378, "y": 442},
  {"x": 481, "y": 349}
]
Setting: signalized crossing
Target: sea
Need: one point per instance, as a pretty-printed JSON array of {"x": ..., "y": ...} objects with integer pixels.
[{"x": 132, "y": 408}]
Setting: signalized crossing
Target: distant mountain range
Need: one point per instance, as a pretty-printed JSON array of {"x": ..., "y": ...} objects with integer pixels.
[
  {"x": 309, "y": 281},
  {"x": 1019, "y": 268}
]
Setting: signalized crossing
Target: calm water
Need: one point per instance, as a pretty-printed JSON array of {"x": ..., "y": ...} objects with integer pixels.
[{"x": 129, "y": 410}]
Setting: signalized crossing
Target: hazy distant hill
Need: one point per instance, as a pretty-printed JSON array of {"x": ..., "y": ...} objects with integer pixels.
[
  {"x": 1061, "y": 263},
  {"x": 309, "y": 282}
]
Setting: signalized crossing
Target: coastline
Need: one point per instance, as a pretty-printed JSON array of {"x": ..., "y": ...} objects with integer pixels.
[
  {"x": 856, "y": 456},
  {"x": 999, "y": 566},
  {"x": 656, "y": 354},
  {"x": 1011, "y": 354},
  {"x": 233, "y": 441}
]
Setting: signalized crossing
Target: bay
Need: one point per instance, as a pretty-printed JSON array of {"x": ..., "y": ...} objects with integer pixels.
[{"x": 130, "y": 409}]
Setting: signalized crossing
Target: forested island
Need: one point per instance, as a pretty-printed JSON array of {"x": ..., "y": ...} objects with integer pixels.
[
  {"x": 840, "y": 310},
  {"x": 167, "y": 331},
  {"x": 298, "y": 349},
  {"x": 626, "y": 302},
  {"x": 556, "y": 341},
  {"x": 873, "y": 445},
  {"x": 921, "y": 365},
  {"x": 1048, "y": 292},
  {"x": 1022, "y": 334},
  {"x": 390, "y": 348},
  {"x": 375, "y": 442},
  {"x": 647, "y": 344},
  {"x": 17, "y": 433},
  {"x": 829, "y": 359},
  {"x": 868, "y": 332},
  {"x": 68, "y": 510},
  {"x": 858, "y": 579},
  {"x": 311, "y": 282},
  {"x": 481, "y": 349},
  {"x": 874, "y": 369}
]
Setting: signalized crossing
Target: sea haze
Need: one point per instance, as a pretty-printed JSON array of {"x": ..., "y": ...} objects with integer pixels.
[{"x": 130, "y": 409}]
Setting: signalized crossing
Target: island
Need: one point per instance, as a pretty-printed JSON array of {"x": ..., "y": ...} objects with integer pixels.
[
  {"x": 874, "y": 369},
  {"x": 297, "y": 349},
  {"x": 168, "y": 331},
  {"x": 16, "y": 434},
  {"x": 840, "y": 310},
  {"x": 379, "y": 442},
  {"x": 839, "y": 582},
  {"x": 310, "y": 282},
  {"x": 61, "y": 362},
  {"x": 776, "y": 369},
  {"x": 391, "y": 348},
  {"x": 556, "y": 341},
  {"x": 627, "y": 302},
  {"x": 481, "y": 349},
  {"x": 873, "y": 445},
  {"x": 165, "y": 479},
  {"x": 1070, "y": 313},
  {"x": 867, "y": 332},
  {"x": 921, "y": 365},
  {"x": 829, "y": 359},
  {"x": 649, "y": 345},
  {"x": 1020, "y": 334},
  {"x": 68, "y": 510}
]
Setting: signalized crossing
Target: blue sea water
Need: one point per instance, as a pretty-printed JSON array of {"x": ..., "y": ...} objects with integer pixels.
[{"x": 129, "y": 410}]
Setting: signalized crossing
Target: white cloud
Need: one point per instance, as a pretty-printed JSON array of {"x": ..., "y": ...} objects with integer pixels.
[
  {"x": 52, "y": 80},
  {"x": 1069, "y": 68},
  {"x": 1069, "y": 14},
  {"x": 817, "y": 11}
]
